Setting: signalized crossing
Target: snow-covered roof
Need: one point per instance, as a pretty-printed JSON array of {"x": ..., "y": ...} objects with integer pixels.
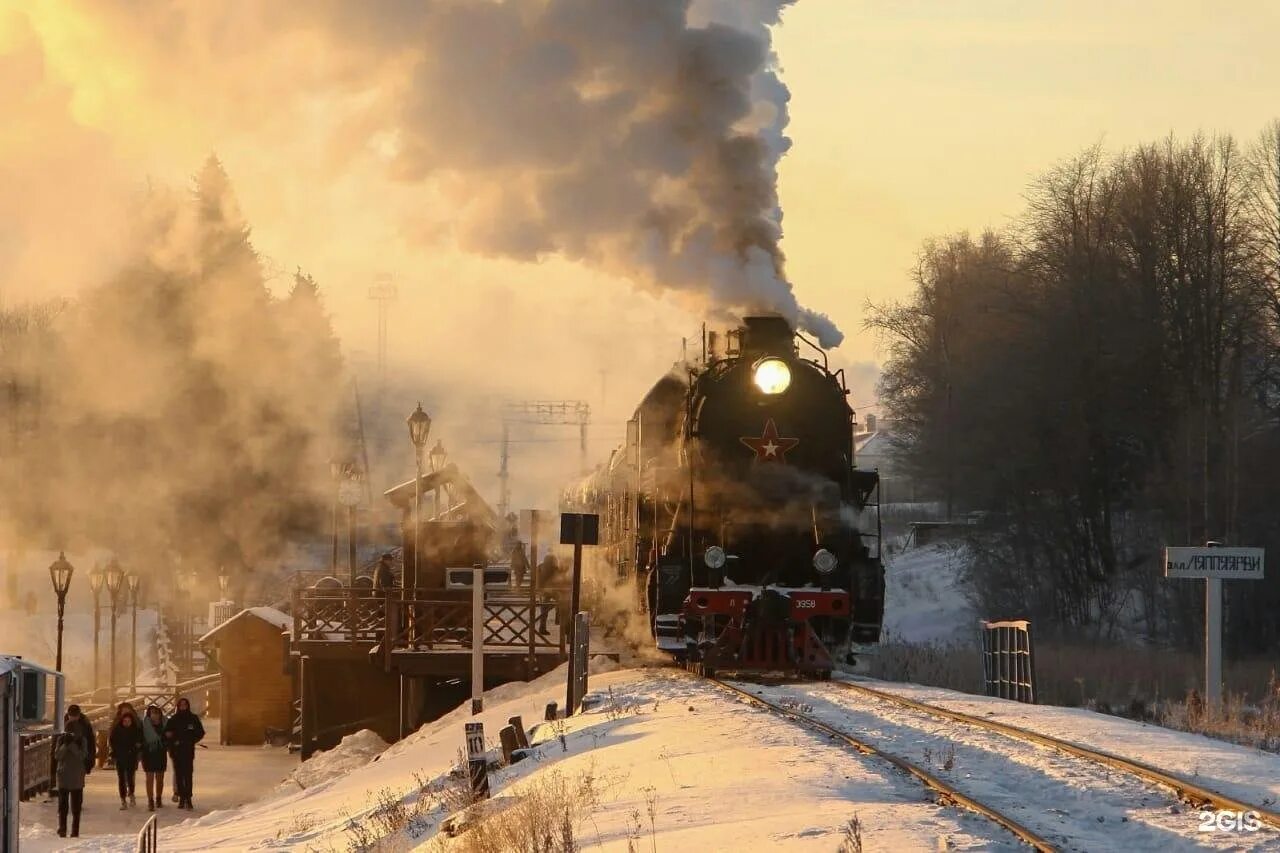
[{"x": 270, "y": 615}]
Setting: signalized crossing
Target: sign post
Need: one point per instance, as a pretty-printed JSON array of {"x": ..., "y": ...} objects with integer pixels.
[
  {"x": 477, "y": 639},
  {"x": 476, "y": 761},
  {"x": 1214, "y": 563},
  {"x": 576, "y": 529},
  {"x": 578, "y": 670}
]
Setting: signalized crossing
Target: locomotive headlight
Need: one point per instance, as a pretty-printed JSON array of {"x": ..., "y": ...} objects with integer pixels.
[
  {"x": 714, "y": 557},
  {"x": 772, "y": 376},
  {"x": 824, "y": 561}
]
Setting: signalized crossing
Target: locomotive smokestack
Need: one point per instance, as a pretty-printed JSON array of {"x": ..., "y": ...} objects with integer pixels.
[{"x": 769, "y": 333}]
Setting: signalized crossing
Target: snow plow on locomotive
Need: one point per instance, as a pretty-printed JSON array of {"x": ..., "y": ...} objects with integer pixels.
[{"x": 734, "y": 515}]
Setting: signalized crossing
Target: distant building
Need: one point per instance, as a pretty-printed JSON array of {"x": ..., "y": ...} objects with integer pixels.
[{"x": 874, "y": 450}]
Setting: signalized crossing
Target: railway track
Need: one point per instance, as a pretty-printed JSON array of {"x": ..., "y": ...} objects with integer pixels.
[
  {"x": 1184, "y": 789},
  {"x": 945, "y": 791}
]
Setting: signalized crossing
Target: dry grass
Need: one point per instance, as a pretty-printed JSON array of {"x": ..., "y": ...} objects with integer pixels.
[
  {"x": 851, "y": 836},
  {"x": 546, "y": 817},
  {"x": 1154, "y": 685}
]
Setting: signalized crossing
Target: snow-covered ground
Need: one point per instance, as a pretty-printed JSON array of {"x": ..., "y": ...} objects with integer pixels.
[
  {"x": 1072, "y": 801},
  {"x": 1247, "y": 774},
  {"x": 674, "y": 764},
  {"x": 925, "y": 599}
]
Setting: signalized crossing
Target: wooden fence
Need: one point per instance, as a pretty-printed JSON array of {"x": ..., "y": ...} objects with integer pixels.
[
  {"x": 1008, "y": 663},
  {"x": 36, "y": 763}
]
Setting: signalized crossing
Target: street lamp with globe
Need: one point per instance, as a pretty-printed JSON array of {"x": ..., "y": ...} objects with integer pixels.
[
  {"x": 438, "y": 455},
  {"x": 60, "y": 572}
]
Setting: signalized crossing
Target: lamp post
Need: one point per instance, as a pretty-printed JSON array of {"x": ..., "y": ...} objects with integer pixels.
[
  {"x": 419, "y": 428},
  {"x": 60, "y": 572},
  {"x": 114, "y": 580},
  {"x": 336, "y": 468},
  {"x": 135, "y": 588},
  {"x": 349, "y": 495},
  {"x": 193, "y": 580},
  {"x": 180, "y": 609},
  {"x": 95, "y": 584}
]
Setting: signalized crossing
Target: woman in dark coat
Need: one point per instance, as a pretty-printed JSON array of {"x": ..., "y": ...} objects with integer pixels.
[
  {"x": 155, "y": 758},
  {"x": 126, "y": 748},
  {"x": 72, "y": 757}
]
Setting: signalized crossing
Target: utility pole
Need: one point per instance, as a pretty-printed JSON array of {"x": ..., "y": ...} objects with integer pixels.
[
  {"x": 540, "y": 412},
  {"x": 384, "y": 292}
]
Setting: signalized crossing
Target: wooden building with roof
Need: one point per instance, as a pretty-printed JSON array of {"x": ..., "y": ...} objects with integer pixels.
[{"x": 252, "y": 649}]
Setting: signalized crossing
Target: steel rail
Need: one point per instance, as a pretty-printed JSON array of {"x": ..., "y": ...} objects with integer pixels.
[
  {"x": 945, "y": 792},
  {"x": 1185, "y": 790}
]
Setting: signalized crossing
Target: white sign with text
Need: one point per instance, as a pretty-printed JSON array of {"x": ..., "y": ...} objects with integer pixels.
[{"x": 1224, "y": 563}]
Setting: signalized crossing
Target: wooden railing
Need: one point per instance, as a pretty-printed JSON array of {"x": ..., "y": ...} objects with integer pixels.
[
  {"x": 36, "y": 763},
  {"x": 350, "y": 614},
  {"x": 165, "y": 696},
  {"x": 435, "y": 621},
  {"x": 427, "y": 625}
]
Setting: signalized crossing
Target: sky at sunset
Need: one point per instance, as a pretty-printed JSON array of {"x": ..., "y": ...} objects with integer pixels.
[{"x": 908, "y": 119}]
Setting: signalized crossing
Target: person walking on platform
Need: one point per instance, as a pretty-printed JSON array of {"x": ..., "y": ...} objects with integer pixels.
[
  {"x": 71, "y": 758},
  {"x": 519, "y": 565},
  {"x": 126, "y": 748},
  {"x": 154, "y": 758},
  {"x": 76, "y": 723},
  {"x": 183, "y": 731}
]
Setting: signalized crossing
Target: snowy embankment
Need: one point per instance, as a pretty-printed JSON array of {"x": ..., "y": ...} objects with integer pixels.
[
  {"x": 925, "y": 599},
  {"x": 663, "y": 760}
]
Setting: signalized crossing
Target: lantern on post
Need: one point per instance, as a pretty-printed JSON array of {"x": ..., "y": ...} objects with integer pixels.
[
  {"x": 60, "y": 572},
  {"x": 114, "y": 579},
  {"x": 419, "y": 429},
  {"x": 95, "y": 584}
]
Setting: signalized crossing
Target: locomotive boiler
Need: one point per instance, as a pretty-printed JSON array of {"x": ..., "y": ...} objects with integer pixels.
[{"x": 734, "y": 515}]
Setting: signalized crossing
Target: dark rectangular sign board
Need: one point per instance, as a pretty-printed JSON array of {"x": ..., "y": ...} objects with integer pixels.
[{"x": 569, "y": 528}]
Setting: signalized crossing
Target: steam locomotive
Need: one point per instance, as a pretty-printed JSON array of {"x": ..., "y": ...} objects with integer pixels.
[{"x": 734, "y": 515}]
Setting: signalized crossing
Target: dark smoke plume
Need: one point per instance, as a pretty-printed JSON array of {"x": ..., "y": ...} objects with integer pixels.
[{"x": 641, "y": 137}]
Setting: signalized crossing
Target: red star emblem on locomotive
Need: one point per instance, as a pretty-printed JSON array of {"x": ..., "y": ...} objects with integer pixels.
[{"x": 769, "y": 447}]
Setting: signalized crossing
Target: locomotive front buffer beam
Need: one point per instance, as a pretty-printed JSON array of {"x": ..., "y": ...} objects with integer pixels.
[{"x": 760, "y": 630}]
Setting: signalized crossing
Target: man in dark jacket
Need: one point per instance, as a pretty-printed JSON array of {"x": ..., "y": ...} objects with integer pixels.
[
  {"x": 77, "y": 724},
  {"x": 183, "y": 731},
  {"x": 519, "y": 564},
  {"x": 384, "y": 577}
]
